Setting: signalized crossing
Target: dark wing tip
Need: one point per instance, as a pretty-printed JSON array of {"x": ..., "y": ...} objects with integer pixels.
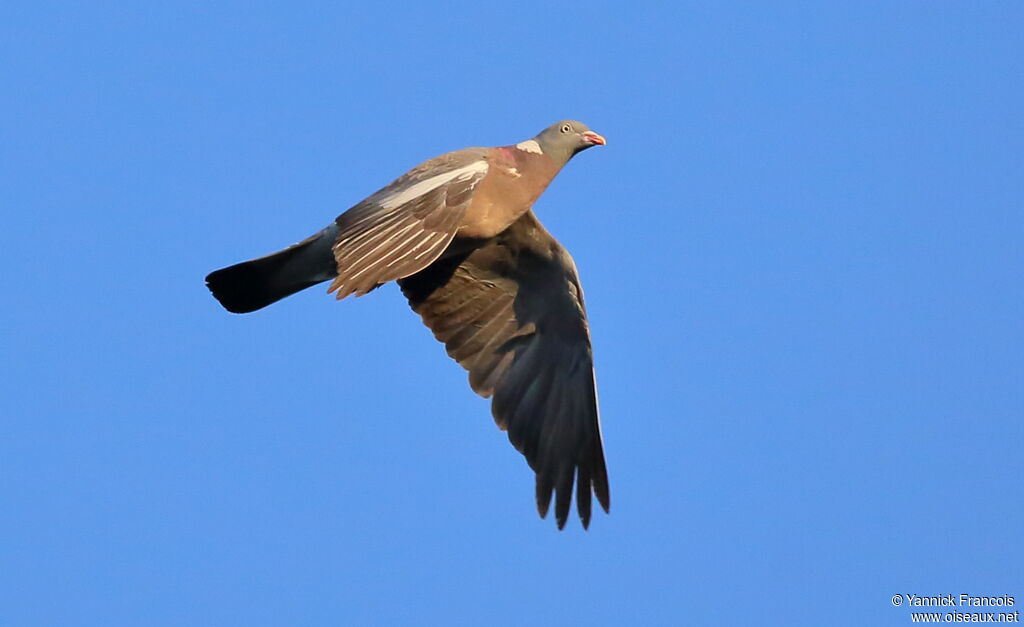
[
  {"x": 600, "y": 478},
  {"x": 602, "y": 497},
  {"x": 601, "y": 488},
  {"x": 590, "y": 482},
  {"x": 544, "y": 489},
  {"x": 563, "y": 496},
  {"x": 583, "y": 495}
]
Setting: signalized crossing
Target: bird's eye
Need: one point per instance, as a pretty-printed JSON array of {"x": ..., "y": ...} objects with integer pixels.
[{"x": 566, "y": 128}]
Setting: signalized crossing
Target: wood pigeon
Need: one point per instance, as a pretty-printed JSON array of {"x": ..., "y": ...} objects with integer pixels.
[{"x": 458, "y": 234}]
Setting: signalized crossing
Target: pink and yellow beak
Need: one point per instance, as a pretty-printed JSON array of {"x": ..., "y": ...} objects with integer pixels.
[{"x": 593, "y": 138}]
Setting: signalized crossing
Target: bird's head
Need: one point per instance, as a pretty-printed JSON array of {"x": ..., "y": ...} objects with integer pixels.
[{"x": 562, "y": 140}]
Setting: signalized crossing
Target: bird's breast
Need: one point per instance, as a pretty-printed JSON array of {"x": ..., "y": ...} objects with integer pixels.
[{"x": 509, "y": 190}]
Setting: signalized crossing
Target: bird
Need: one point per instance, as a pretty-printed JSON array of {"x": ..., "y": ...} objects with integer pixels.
[{"x": 459, "y": 236}]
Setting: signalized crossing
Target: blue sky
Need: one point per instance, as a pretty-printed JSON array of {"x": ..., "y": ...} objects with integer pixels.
[{"x": 802, "y": 258}]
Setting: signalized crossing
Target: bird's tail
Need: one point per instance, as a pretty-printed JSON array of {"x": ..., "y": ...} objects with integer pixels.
[{"x": 253, "y": 285}]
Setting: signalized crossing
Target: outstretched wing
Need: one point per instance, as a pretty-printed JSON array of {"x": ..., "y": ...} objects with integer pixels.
[
  {"x": 404, "y": 227},
  {"x": 512, "y": 314}
]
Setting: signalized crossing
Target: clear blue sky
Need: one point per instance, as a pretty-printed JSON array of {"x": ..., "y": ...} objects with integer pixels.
[{"x": 802, "y": 255}]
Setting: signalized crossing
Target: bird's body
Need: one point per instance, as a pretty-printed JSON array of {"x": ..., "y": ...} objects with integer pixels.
[
  {"x": 458, "y": 234},
  {"x": 519, "y": 178}
]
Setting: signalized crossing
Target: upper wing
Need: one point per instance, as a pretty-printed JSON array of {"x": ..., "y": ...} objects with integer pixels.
[
  {"x": 404, "y": 227},
  {"x": 512, "y": 314}
]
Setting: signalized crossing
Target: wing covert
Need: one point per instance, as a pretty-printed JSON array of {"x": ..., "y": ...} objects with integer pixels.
[{"x": 405, "y": 226}]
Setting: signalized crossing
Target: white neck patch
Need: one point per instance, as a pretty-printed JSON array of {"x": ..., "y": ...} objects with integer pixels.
[{"x": 530, "y": 145}]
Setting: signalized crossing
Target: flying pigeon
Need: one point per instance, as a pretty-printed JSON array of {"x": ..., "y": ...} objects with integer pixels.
[{"x": 458, "y": 235}]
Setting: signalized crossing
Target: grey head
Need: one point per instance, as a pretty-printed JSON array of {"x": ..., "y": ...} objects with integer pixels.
[{"x": 562, "y": 140}]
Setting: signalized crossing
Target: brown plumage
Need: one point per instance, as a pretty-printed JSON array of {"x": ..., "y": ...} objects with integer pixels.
[{"x": 491, "y": 283}]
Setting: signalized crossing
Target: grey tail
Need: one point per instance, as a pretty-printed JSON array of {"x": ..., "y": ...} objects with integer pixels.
[{"x": 252, "y": 285}]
